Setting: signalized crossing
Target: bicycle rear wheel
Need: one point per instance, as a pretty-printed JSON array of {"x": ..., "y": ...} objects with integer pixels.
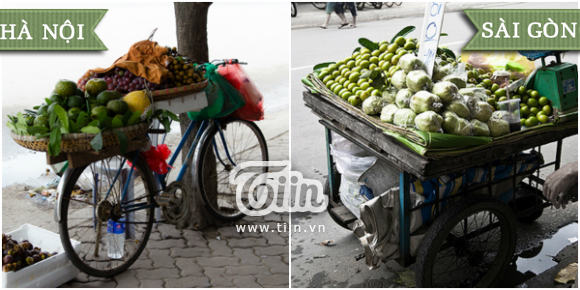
[
  {"x": 86, "y": 208},
  {"x": 293, "y": 11},
  {"x": 360, "y": 5},
  {"x": 319, "y": 5},
  {"x": 244, "y": 142}
]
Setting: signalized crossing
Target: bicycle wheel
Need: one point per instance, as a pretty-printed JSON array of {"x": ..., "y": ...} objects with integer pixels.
[
  {"x": 293, "y": 11},
  {"x": 390, "y": 4},
  {"x": 378, "y": 5},
  {"x": 360, "y": 5},
  {"x": 86, "y": 209},
  {"x": 244, "y": 142},
  {"x": 319, "y": 5},
  {"x": 398, "y": 3},
  {"x": 469, "y": 245}
]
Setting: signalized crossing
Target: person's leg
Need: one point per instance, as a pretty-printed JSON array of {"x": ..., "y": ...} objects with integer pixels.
[
  {"x": 338, "y": 9},
  {"x": 329, "y": 9},
  {"x": 352, "y": 7}
]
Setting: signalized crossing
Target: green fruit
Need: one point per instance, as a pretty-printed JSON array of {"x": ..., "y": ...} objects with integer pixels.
[
  {"x": 353, "y": 78},
  {"x": 525, "y": 111},
  {"x": 501, "y": 99},
  {"x": 366, "y": 56},
  {"x": 500, "y": 92},
  {"x": 322, "y": 75},
  {"x": 374, "y": 60},
  {"x": 531, "y": 122},
  {"x": 75, "y": 102},
  {"x": 351, "y": 86},
  {"x": 534, "y": 94},
  {"x": 42, "y": 110},
  {"x": 410, "y": 46},
  {"x": 523, "y": 121},
  {"x": 494, "y": 88},
  {"x": 364, "y": 64},
  {"x": 73, "y": 113},
  {"x": 372, "y": 66},
  {"x": 492, "y": 102},
  {"x": 56, "y": 99},
  {"x": 364, "y": 95},
  {"x": 383, "y": 47},
  {"x": 395, "y": 59},
  {"x": 335, "y": 73},
  {"x": 96, "y": 86},
  {"x": 326, "y": 79},
  {"x": 96, "y": 110},
  {"x": 344, "y": 70},
  {"x": 364, "y": 86},
  {"x": 400, "y": 41},
  {"x": 393, "y": 47},
  {"x": 389, "y": 56},
  {"x": 532, "y": 102},
  {"x": 487, "y": 82},
  {"x": 525, "y": 99},
  {"x": 41, "y": 121},
  {"x": 543, "y": 101},
  {"x": 522, "y": 90},
  {"x": 346, "y": 95},
  {"x": 402, "y": 52},
  {"x": 517, "y": 97},
  {"x": 104, "y": 97},
  {"x": 386, "y": 66},
  {"x": 547, "y": 109},
  {"x": 534, "y": 111},
  {"x": 332, "y": 67},
  {"x": 65, "y": 88},
  {"x": 337, "y": 89},
  {"x": 375, "y": 92},
  {"x": 376, "y": 53},
  {"x": 543, "y": 119},
  {"x": 350, "y": 64},
  {"x": 354, "y": 100},
  {"x": 332, "y": 86}
]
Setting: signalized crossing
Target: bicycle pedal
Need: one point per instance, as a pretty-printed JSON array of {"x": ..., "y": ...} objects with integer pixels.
[{"x": 164, "y": 199}]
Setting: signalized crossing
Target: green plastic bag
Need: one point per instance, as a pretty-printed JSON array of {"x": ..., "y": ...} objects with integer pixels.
[{"x": 222, "y": 98}]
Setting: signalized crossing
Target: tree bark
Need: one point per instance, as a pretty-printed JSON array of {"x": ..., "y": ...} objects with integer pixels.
[{"x": 191, "y": 24}]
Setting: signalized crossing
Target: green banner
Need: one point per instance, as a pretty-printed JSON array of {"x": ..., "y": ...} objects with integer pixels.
[
  {"x": 50, "y": 29},
  {"x": 524, "y": 29}
]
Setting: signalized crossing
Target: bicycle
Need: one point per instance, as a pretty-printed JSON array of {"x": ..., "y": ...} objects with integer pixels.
[
  {"x": 376, "y": 5},
  {"x": 293, "y": 10},
  {"x": 319, "y": 5},
  {"x": 390, "y": 4},
  {"x": 127, "y": 191}
]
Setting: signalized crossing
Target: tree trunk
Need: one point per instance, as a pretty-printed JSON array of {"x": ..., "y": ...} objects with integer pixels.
[{"x": 191, "y": 23}]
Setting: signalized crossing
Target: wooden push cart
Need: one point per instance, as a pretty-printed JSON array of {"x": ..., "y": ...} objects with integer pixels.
[{"x": 481, "y": 267}]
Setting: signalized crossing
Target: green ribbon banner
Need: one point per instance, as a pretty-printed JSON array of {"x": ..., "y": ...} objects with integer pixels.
[
  {"x": 524, "y": 29},
  {"x": 50, "y": 29}
]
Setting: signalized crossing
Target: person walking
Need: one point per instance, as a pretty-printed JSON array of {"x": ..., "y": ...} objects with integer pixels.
[
  {"x": 352, "y": 7},
  {"x": 330, "y": 6}
]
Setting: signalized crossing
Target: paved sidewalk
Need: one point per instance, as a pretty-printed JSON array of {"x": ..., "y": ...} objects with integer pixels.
[
  {"x": 215, "y": 257},
  {"x": 308, "y": 16}
]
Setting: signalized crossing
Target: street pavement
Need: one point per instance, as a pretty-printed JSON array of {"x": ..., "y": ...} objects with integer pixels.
[{"x": 314, "y": 265}]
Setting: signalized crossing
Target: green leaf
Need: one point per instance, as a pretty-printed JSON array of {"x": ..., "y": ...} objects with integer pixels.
[
  {"x": 48, "y": 101},
  {"x": 54, "y": 142},
  {"x": 135, "y": 118},
  {"x": 166, "y": 125},
  {"x": 94, "y": 123},
  {"x": 366, "y": 74},
  {"x": 117, "y": 122},
  {"x": 52, "y": 119},
  {"x": 34, "y": 130},
  {"x": 126, "y": 118},
  {"x": 443, "y": 34},
  {"x": 21, "y": 119},
  {"x": 63, "y": 117},
  {"x": 403, "y": 32},
  {"x": 36, "y": 107},
  {"x": 91, "y": 129},
  {"x": 171, "y": 115},
  {"x": 449, "y": 52},
  {"x": 378, "y": 81},
  {"x": 356, "y": 49},
  {"x": 122, "y": 141},
  {"x": 81, "y": 119},
  {"x": 11, "y": 126},
  {"x": 320, "y": 66},
  {"x": 21, "y": 129},
  {"x": 368, "y": 44},
  {"x": 73, "y": 127},
  {"x": 97, "y": 142},
  {"x": 44, "y": 135}
]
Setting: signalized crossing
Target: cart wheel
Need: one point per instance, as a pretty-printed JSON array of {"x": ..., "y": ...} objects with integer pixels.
[
  {"x": 526, "y": 202},
  {"x": 469, "y": 245},
  {"x": 336, "y": 199}
]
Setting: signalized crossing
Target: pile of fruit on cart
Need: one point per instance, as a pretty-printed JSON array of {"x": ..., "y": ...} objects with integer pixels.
[
  {"x": 101, "y": 102},
  {"x": 387, "y": 80},
  {"x": 16, "y": 256}
]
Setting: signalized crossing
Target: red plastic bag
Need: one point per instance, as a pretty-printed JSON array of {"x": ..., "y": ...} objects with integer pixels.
[
  {"x": 156, "y": 157},
  {"x": 253, "y": 110}
]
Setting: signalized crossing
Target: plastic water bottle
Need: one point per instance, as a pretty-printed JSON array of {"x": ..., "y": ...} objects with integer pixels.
[{"x": 116, "y": 238}]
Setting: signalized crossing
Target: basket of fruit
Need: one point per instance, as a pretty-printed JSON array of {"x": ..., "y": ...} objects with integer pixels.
[
  {"x": 72, "y": 121},
  {"x": 386, "y": 83},
  {"x": 172, "y": 76}
]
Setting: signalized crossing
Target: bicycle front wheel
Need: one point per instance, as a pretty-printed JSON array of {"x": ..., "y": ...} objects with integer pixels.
[
  {"x": 319, "y": 5},
  {"x": 239, "y": 141},
  {"x": 91, "y": 198}
]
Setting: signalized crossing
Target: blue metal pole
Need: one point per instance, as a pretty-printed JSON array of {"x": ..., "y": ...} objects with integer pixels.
[{"x": 404, "y": 218}]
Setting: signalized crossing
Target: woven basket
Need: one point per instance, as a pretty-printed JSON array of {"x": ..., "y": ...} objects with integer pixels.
[
  {"x": 166, "y": 94},
  {"x": 79, "y": 142}
]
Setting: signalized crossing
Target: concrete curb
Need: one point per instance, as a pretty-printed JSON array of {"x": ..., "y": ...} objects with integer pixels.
[{"x": 309, "y": 19}]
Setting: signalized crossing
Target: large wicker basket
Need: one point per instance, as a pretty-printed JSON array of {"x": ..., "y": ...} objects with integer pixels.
[
  {"x": 165, "y": 94},
  {"x": 79, "y": 142}
]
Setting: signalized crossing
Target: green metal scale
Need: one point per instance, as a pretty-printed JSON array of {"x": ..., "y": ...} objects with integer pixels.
[{"x": 558, "y": 81}]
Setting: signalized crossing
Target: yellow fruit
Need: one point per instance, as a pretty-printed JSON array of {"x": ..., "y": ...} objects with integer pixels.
[{"x": 137, "y": 101}]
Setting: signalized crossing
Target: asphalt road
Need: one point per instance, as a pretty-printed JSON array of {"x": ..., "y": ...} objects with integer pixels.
[{"x": 318, "y": 266}]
